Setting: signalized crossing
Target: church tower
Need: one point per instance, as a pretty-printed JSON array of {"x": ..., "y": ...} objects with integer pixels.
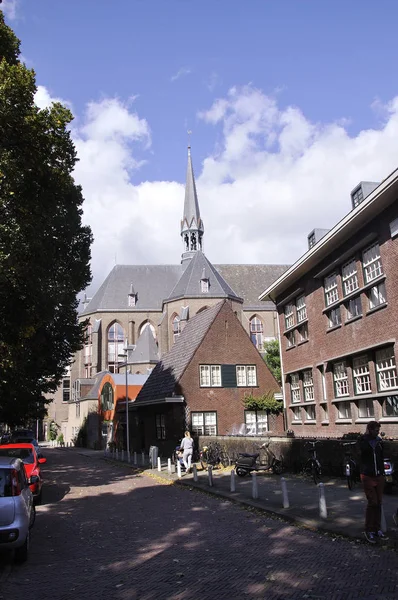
[{"x": 192, "y": 228}]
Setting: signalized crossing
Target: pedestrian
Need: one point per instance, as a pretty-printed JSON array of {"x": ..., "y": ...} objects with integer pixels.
[
  {"x": 187, "y": 447},
  {"x": 372, "y": 477}
]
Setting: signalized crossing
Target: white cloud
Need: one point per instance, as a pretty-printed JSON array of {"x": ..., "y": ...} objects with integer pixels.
[
  {"x": 180, "y": 73},
  {"x": 274, "y": 177},
  {"x": 43, "y": 98},
  {"x": 9, "y": 7}
]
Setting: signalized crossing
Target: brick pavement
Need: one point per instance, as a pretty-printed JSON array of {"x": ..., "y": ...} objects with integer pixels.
[{"x": 105, "y": 531}]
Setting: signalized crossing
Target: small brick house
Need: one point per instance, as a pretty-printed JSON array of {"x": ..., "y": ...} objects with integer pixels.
[
  {"x": 201, "y": 382},
  {"x": 338, "y": 321}
]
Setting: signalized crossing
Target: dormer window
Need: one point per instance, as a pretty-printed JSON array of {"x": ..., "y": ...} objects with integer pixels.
[
  {"x": 204, "y": 286},
  {"x": 132, "y": 300},
  {"x": 357, "y": 197}
]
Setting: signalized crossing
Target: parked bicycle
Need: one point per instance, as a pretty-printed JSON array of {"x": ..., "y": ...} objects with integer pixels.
[
  {"x": 349, "y": 465},
  {"x": 213, "y": 454},
  {"x": 313, "y": 466}
]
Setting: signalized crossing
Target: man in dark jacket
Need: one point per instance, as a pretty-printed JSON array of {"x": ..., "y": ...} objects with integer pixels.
[{"x": 372, "y": 477}]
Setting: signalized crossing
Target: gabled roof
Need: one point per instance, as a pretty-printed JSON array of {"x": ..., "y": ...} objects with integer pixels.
[
  {"x": 189, "y": 284},
  {"x": 169, "y": 370},
  {"x": 118, "y": 379},
  {"x": 146, "y": 350}
]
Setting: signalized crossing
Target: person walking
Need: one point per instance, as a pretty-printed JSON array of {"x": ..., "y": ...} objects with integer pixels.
[
  {"x": 187, "y": 448},
  {"x": 372, "y": 477}
]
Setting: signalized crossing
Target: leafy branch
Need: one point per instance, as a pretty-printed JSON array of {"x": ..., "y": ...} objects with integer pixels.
[{"x": 265, "y": 402}]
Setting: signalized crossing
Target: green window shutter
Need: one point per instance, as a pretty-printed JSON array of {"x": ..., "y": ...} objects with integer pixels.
[{"x": 228, "y": 376}]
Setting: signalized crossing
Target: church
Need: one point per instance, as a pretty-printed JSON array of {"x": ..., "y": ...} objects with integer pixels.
[{"x": 140, "y": 311}]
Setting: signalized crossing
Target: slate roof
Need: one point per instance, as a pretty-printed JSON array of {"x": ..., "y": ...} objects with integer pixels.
[
  {"x": 189, "y": 285},
  {"x": 191, "y": 215},
  {"x": 118, "y": 378},
  {"x": 163, "y": 379},
  {"x": 146, "y": 350}
]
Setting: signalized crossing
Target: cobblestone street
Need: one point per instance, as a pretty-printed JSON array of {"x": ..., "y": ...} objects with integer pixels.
[{"x": 105, "y": 532}]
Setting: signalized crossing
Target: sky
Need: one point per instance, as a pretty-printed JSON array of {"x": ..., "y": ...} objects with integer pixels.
[{"x": 291, "y": 104}]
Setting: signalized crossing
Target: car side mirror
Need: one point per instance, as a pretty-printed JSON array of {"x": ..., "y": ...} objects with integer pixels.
[
  {"x": 34, "y": 479},
  {"x": 42, "y": 460}
]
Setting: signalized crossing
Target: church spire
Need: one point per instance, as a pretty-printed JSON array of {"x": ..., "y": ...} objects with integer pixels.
[{"x": 192, "y": 229}]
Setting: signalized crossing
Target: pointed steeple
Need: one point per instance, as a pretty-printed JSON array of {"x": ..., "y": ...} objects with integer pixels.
[{"x": 192, "y": 228}]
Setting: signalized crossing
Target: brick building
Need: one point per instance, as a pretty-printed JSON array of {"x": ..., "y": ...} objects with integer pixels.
[
  {"x": 200, "y": 385},
  {"x": 338, "y": 320}
]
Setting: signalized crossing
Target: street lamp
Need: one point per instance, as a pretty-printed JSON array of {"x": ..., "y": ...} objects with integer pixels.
[{"x": 127, "y": 405}]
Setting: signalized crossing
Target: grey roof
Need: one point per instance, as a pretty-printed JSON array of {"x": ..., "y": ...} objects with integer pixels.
[
  {"x": 146, "y": 350},
  {"x": 167, "y": 373},
  {"x": 248, "y": 281},
  {"x": 189, "y": 285},
  {"x": 191, "y": 217},
  {"x": 118, "y": 378}
]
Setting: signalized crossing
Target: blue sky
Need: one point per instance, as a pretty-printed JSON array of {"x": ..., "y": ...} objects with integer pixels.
[{"x": 330, "y": 61}]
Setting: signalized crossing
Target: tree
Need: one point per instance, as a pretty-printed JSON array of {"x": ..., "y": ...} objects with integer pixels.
[
  {"x": 272, "y": 359},
  {"x": 265, "y": 402},
  {"x": 44, "y": 248}
]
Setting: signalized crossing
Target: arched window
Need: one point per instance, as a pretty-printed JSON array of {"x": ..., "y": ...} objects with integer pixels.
[
  {"x": 176, "y": 327},
  {"x": 152, "y": 328},
  {"x": 256, "y": 332},
  {"x": 107, "y": 397},
  {"x": 88, "y": 351},
  {"x": 115, "y": 346}
]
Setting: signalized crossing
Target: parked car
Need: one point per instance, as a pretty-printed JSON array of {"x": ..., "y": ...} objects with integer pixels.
[
  {"x": 17, "y": 510},
  {"x": 27, "y": 440},
  {"x": 27, "y": 453}
]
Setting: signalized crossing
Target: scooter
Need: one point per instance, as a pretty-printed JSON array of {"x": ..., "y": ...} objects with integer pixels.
[{"x": 247, "y": 463}]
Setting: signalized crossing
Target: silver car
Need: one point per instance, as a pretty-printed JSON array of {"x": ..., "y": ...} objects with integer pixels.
[{"x": 17, "y": 511}]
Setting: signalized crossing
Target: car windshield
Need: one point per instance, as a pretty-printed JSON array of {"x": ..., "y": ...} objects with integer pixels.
[
  {"x": 5, "y": 483},
  {"x": 25, "y": 454}
]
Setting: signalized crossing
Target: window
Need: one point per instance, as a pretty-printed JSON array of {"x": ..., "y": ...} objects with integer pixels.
[
  {"x": 340, "y": 379},
  {"x": 291, "y": 340},
  {"x": 334, "y": 317},
  {"x": 365, "y": 409},
  {"x": 210, "y": 375},
  {"x": 325, "y": 412},
  {"x": 289, "y": 316},
  {"x": 303, "y": 332},
  {"x": 151, "y": 327},
  {"x": 77, "y": 409},
  {"x": 160, "y": 427},
  {"x": 308, "y": 386},
  {"x": 344, "y": 410},
  {"x": 107, "y": 397},
  {"x": 372, "y": 267},
  {"x": 301, "y": 309},
  {"x": 361, "y": 374},
  {"x": 132, "y": 300},
  {"x": 115, "y": 346},
  {"x": 295, "y": 387},
  {"x": 204, "y": 286},
  {"x": 357, "y": 197},
  {"x": 176, "y": 327},
  {"x": 296, "y": 414},
  {"x": 354, "y": 308},
  {"x": 390, "y": 406},
  {"x": 66, "y": 390},
  {"x": 350, "y": 277},
  {"x": 204, "y": 423},
  {"x": 331, "y": 291},
  {"x": 256, "y": 422},
  {"x": 88, "y": 345},
  {"x": 256, "y": 332},
  {"x": 310, "y": 413},
  {"x": 386, "y": 369},
  {"x": 377, "y": 295},
  {"x": 394, "y": 228},
  {"x": 246, "y": 376},
  {"x": 76, "y": 390}
]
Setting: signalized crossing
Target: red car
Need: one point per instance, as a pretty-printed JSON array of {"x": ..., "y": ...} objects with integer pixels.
[{"x": 27, "y": 453}]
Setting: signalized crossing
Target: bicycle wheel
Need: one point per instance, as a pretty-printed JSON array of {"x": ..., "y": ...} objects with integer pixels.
[{"x": 315, "y": 472}]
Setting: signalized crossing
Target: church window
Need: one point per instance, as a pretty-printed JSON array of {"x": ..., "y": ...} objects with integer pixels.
[
  {"x": 151, "y": 327},
  {"x": 88, "y": 349},
  {"x": 176, "y": 327},
  {"x": 115, "y": 346},
  {"x": 107, "y": 397},
  {"x": 256, "y": 332}
]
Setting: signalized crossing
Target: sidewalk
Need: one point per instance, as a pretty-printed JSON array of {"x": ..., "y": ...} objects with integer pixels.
[{"x": 345, "y": 508}]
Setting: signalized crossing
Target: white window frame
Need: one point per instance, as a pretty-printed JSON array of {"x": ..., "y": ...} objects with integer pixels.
[
  {"x": 354, "y": 308},
  {"x": 308, "y": 386},
  {"x": 295, "y": 390},
  {"x": 296, "y": 412},
  {"x": 291, "y": 339},
  {"x": 289, "y": 316},
  {"x": 386, "y": 369},
  {"x": 366, "y": 408},
  {"x": 301, "y": 309},
  {"x": 246, "y": 376},
  {"x": 256, "y": 332},
  {"x": 210, "y": 375},
  {"x": 391, "y": 401},
  {"x": 344, "y": 410},
  {"x": 377, "y": 295},
  {"x": 204, "y": 423},
  {"x": 349, "y": 275},
  {"x": 256, "y": 422},
  {"x": 340, "y": 378},
  {"x": 361, "y": 375},
  {"x": 334, "y": 322},
  {"x": 331, "y": 289},
  {"x": 310, "y": 412},
  {"x": 204, "y": 286},
  {"x": 303, "y": 332},
  {"x": 371, "y": 263}
]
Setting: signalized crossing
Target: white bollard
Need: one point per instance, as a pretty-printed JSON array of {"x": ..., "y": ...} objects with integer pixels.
[
  {"x": 122, "y": 455},
  {"x": 169, "y": 465},
  {"x": 210, "y": 475},
  {"x": 135, "y": 458},
  {"x": 233, "y": 486},
  {"x": 159, "y": 464},
  {"x": 129, "y": 457},
  {"x": 383, "y": 523},
  {"x": 178, "y": 470},
  {"x": 323, "y": 511},
  {"x": 254, "y": 486},
  {"x": 143, "y": 458},
  {"x": 285, "y": 496},
  {"x": 195, "y": 473}
]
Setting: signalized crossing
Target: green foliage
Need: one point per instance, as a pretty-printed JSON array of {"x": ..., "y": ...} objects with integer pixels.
[
  {"x": 60, "y": 439},
  {"x": 44, "y": 249},
  {"x": 272, "y": 359},
  {"x": 52, "y": 431},
  {"x": 266, "y": 402},
  {"x": 80, "y": 439}
]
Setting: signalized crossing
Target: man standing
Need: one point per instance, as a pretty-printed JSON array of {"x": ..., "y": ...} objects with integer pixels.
[{"x": 372, "y": 477}]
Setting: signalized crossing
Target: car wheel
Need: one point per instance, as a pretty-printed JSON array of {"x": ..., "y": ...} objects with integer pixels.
[
  {"x": 21, "y": 554},
  {"x": 32, "y": 517}
]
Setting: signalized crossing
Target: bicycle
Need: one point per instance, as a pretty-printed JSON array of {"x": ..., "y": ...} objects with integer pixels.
[
  {"x": 349, "y": 466},
  {"x": 313, "y": 466},
  {"x": 213, "y": 455}
]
